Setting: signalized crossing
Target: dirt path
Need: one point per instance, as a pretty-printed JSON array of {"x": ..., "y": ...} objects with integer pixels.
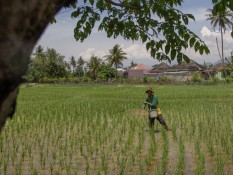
[
  {"x": 189, "y": 159},
  {"x": 172, "y": 155}
]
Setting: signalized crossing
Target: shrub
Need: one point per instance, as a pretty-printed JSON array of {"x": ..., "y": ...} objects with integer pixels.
[
  {"x": 215, "y": 79},
  {"x": 86, "y": 79},
  {"x": 149, "y": 80},
  {"x": 135, "y": 80},
  {"x": 228, "y": 79},
  {"x": 164, "y": 80},
  {"x": 196, "y": 78}
]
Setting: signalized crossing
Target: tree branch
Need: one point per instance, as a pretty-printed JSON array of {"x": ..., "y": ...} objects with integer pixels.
[{"x": 122, "y": 5}]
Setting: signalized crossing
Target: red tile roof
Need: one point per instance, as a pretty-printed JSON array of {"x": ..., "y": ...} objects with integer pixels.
[{"x": 140, "y": 67}]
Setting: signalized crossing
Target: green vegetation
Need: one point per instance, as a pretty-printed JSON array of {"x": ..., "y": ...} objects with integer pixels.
[
  {"x": 50, "y": 67},
  {"x": 116, "y": 57},
  {"x": 59, "y": 129}
]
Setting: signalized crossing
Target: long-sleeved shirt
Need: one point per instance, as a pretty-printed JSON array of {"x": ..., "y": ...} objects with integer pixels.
[{"x": 153, "y": 103}]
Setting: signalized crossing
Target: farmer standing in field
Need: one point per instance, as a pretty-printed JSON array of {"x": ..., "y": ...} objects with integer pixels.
[{"x": 152, "y": 103}]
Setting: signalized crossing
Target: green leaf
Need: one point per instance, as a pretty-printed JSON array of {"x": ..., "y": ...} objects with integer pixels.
[
  {"x": 167, "y": 49},
  {"x": 190, "y": 16},
  {"x": 192, "y": 41},
  {"x": 73, "y": 5},
  {"x": 148, "y": 45},
  {"x": 179, "y": 57},
  {"x": 231, "y": 5},
  {"x": 74, "y": 14},
  {"x": 173, "y": 54},
  {"x": 53, "y": 20},
  {"x": 143, "y": 36},
  {"x": 196, "y": 47},
  {"x": 152, "y": 52},
  {"x": 187, "y": 60},
  {"x": 92, "y": 22},
  {"x": 181, "y": 32},
  {"x": 201, "y": 50},
  {"x": 92, "y": 2},
  {"x": 185, "y": 19},
  {"x": 186, "y": 37},
  {"x": 207, "y": 51},
  {"x": 100, "y": 4}
]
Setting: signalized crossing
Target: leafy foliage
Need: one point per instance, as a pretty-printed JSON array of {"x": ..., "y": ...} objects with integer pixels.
[
  {"x": 196, "y": 78},
  {"x": 158, "y": 24},
  {"x": 224, "y": 7},
  {"x": 46, "y": 64},
  {"x": 94, "y": 66},
  {"x": 116, "y": 57},
  {"x": 106, "y": 72},
  {"x": 222, "y": 19},
  {"x": 73, "y": 62}
]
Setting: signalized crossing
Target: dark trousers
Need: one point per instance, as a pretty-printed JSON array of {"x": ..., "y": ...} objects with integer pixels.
[{"x": 160, "y": 119}]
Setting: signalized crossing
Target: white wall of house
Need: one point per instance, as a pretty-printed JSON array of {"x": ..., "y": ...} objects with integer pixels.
[{"x": 177, "y": 76}]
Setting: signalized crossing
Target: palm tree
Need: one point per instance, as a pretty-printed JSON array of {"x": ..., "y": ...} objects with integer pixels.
[
  {"x": 80, "y": 61},
  {"x": 94, "y": 66},
  {"x": 73, "y": 62},
  {"x": 116, "y": 57},
  {"x": 222, "y": 20}
]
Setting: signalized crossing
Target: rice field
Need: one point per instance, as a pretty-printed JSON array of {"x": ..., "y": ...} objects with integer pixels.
[{"x": 102, "y": 129}]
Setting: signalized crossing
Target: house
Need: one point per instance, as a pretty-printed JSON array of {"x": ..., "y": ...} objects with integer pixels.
[
  {"x": 158, "y": 70},
  {"x": 138, "y": 71},
  {"x": 179, "y": 72},
  {"x": 217, "y": 70},
  {"x": 162, "y": 67}
]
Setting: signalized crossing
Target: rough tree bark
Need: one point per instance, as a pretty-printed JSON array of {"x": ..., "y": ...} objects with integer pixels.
[{"x": 22, "y": 23}]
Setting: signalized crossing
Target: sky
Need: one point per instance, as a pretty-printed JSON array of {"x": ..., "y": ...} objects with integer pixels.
[{"x": 60, "y": 36}]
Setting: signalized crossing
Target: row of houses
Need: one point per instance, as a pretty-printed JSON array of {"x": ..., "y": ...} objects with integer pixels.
[{"x": 179, "y": 72}]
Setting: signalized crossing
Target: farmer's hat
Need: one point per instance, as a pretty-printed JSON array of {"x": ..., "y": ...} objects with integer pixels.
[{"x": 149, "y": 89}]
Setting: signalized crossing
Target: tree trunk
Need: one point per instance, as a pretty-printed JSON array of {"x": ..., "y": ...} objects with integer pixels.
[
  {"x": 116, "y": 71},
  {"x": 224, "y": 70},
  {"x": 22, "y": 23}
]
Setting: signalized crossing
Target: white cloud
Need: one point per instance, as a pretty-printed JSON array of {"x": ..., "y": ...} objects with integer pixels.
[
  {"x": 209, "y": 37},
  {"x": 206, "y": 32},
  {"x": 137, "y": 51},
  {"x": 92, "y": 51}
]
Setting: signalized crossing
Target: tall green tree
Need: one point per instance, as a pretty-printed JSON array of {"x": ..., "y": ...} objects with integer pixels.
[
  {"x": 94, "y": 66},
  {"x": 38, "y": 66},
  {"x": 56, "y": 67},
  {"x": 106, "y": 72},
  {"x": 116, "y": 57},
  {"x": 79, "y": 69},
  {"x": 220, "y": 19},
  {"x": 73, "y": 63},
  {"x": 39, "y": 52},
  {"x": 46, "y": 64},
  {"x": 80, "y": 61}
]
